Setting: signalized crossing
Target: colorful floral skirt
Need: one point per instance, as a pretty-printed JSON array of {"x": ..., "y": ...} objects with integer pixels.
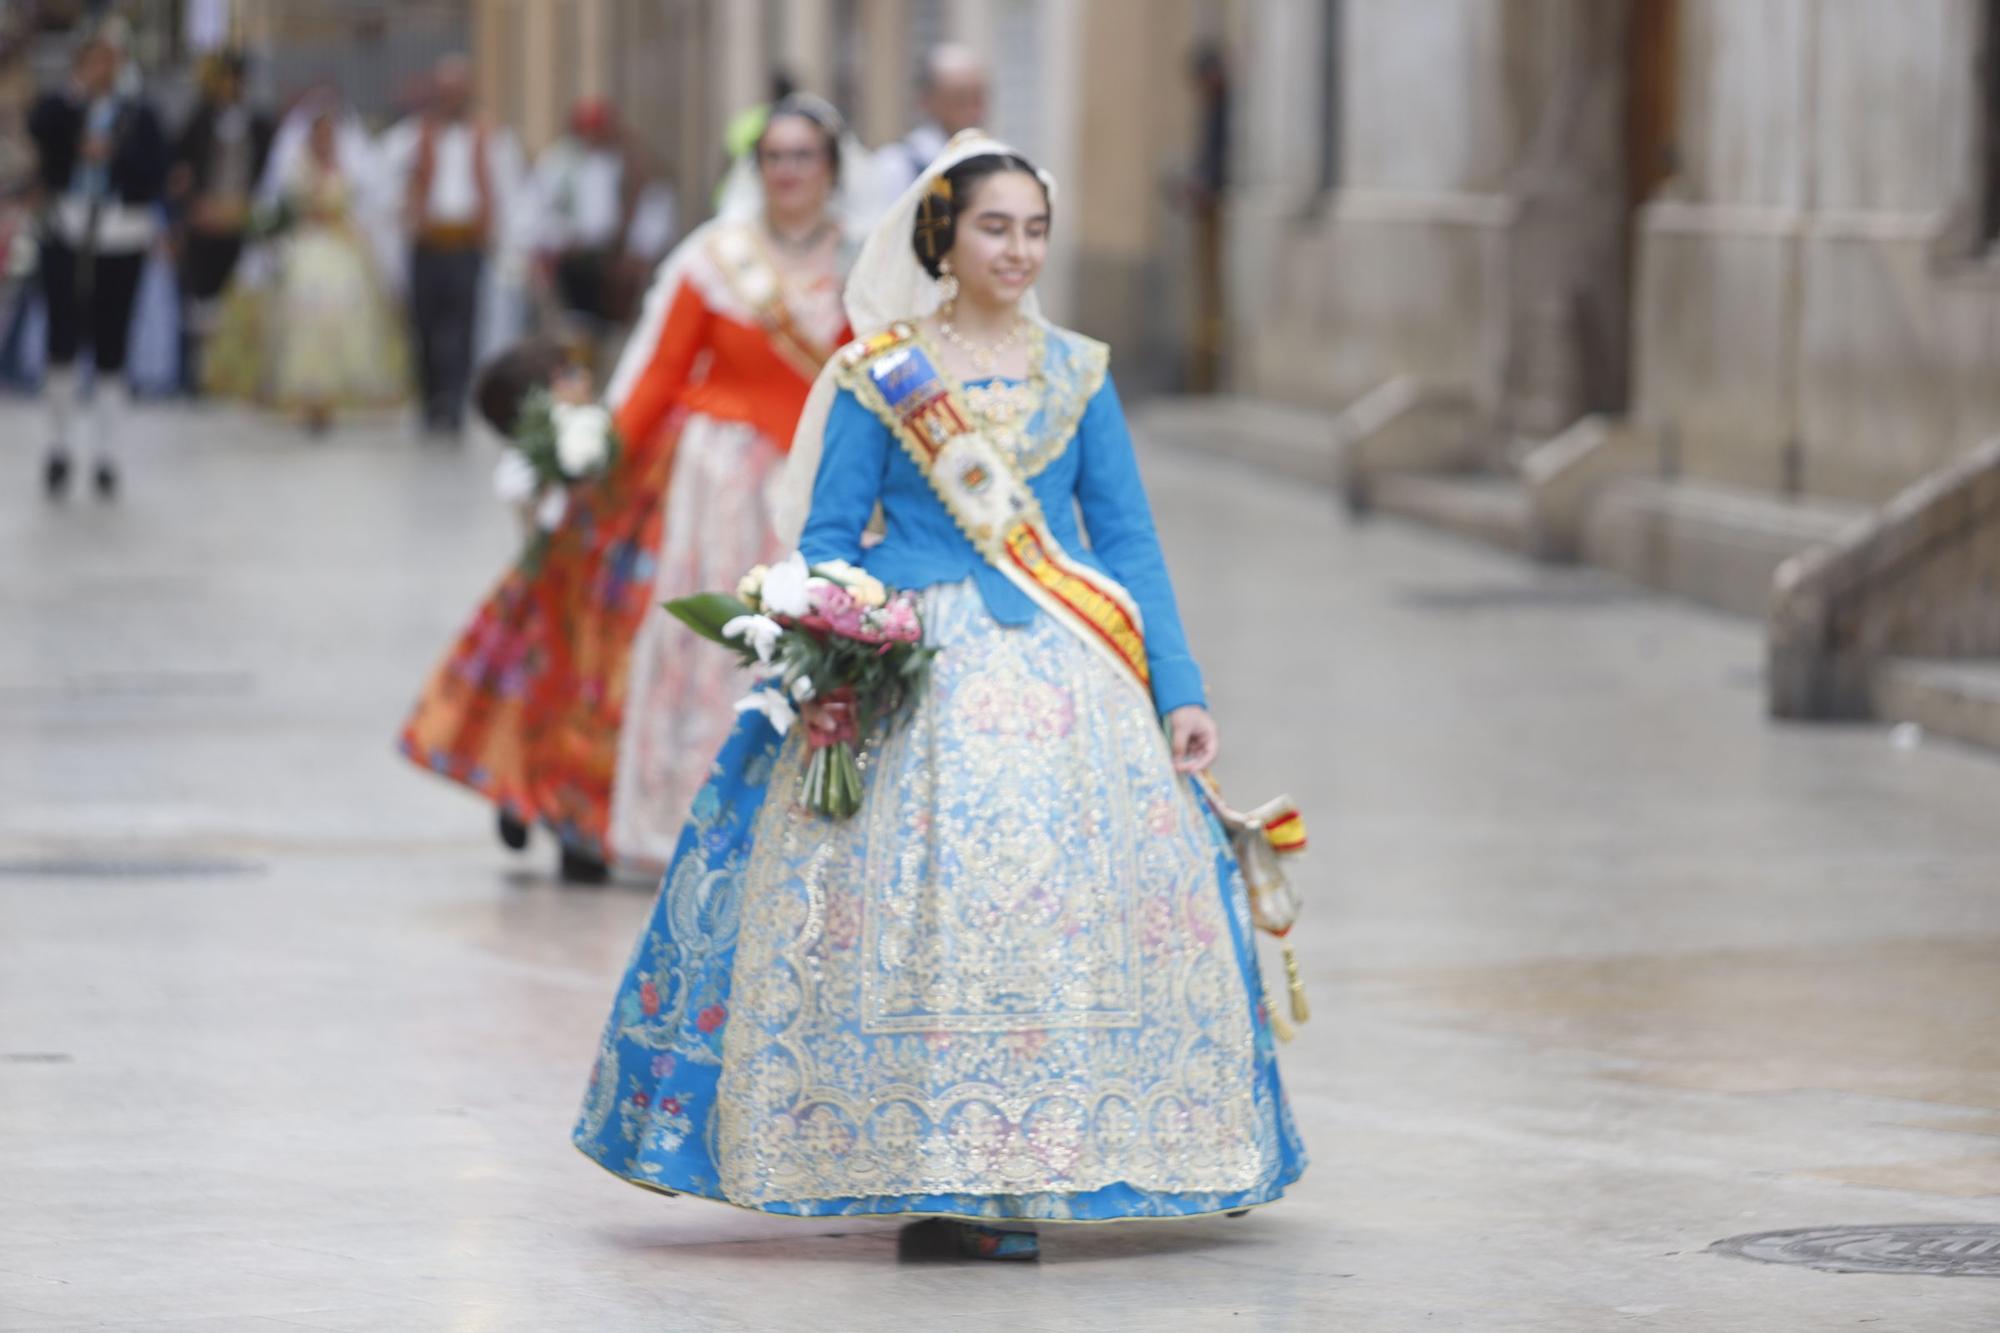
[
  {"x": 526, "y": 707},
  {"x": 1020, "y": 983}
]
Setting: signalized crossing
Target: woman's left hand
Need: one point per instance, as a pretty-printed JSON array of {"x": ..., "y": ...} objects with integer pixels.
[{"x": 1195, "y": 740}]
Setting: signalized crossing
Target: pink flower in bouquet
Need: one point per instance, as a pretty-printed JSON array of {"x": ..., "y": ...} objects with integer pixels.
[{"x": 835, "y": 608}]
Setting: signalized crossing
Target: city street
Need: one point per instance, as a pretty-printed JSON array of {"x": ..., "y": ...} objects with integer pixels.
[{"x": 1605, "y": 967}]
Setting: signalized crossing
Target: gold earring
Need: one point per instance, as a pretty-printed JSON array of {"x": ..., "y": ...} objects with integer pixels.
[{"x": 947, "y": 285}]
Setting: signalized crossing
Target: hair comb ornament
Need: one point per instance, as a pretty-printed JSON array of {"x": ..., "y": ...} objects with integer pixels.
[{"x": 934, "y": 217}]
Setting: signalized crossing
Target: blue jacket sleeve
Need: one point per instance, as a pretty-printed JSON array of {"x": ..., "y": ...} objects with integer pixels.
[
  {"x": 1119, "y": 520},
  {"x": 848, "y": 483}
]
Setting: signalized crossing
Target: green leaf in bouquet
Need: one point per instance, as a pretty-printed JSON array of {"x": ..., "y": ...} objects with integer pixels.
[{"x": 707, "y": 612}]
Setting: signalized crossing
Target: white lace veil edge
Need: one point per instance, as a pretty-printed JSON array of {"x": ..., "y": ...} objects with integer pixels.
[{"x": 887, "y": 284}]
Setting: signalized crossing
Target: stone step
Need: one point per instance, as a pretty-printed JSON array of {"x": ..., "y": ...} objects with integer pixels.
[
  {"x": 1716, "y": 545},
  {"x": 1485, "y": 507},
  {"x": 1294, "y": 441},
  {"x": 1958, "y": 698}
]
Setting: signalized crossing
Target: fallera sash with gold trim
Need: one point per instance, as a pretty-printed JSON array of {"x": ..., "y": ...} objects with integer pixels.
[
  {"x": 753, "y": 279},
  {"x": 894, "y": 377},
  {"x": 992, "y": 503}
]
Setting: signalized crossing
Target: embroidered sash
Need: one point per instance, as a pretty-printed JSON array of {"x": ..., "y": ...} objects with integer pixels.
[
  {"x": 992, "y": 503},
  {"x": 753, "y": 279},
  {"x": 989, "y": 499}
]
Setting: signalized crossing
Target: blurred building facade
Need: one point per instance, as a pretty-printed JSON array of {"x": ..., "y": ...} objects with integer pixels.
[
  {"x": 1763, "y": 226},
  {"x": 1706, "y": 291},
  {"x": 1096, "y": 92}
]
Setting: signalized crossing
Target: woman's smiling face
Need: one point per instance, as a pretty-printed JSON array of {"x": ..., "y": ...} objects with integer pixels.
[{"x": 1001, "y": 238}]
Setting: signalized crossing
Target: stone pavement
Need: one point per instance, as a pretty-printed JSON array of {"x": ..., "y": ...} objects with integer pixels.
[{"x": 1605, "y": 967}]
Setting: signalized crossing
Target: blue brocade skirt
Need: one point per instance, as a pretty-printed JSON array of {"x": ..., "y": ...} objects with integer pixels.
[{"x": 1019, "y": 984}]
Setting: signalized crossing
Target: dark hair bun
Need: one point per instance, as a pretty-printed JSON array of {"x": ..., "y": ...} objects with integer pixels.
[
  {"x": 936, "y": 229},
  {"x": 506, "y": 380}
]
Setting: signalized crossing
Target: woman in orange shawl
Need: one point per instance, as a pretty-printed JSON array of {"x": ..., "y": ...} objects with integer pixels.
[{"x": 573, "y": 700}]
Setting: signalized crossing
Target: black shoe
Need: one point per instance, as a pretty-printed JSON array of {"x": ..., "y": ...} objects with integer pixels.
[
  {"x": 512, "y": 831},
  {"x": 580, "y": 867},
  {"x": 55, "y": 474},
  {"x": 105, "y": 476}
]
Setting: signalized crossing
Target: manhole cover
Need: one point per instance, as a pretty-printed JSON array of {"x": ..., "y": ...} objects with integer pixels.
[
  {"x": 1945, "y": 1249},
  {"x": 93, "y": 867}
]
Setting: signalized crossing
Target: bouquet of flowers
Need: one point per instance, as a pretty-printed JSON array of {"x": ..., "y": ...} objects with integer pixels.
[
  {"x": 269, "y": 221},
  {"x": 555, "y": 445},
  {"x": 844, "y": 652}
]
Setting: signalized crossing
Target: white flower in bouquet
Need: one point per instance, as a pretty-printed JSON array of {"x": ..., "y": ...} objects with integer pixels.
[
  {"x": 803, "y": 690},
  {"x": 772, "y": 705},
  {"x": 751, "y": 586},
  {"x": 583, "y": 437},
  {"x": 549, "y": 512},
  {"x": 784, "y": 591},
  {"x": 514, "y": 477},
  {"x": 760, "y": 632}
]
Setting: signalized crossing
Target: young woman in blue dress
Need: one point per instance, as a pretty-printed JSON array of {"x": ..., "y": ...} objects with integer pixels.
[{"x": 1019, "y": 986}]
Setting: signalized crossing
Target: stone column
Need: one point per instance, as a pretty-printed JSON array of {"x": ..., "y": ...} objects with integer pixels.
[
  {"x": 887, "y": 70},
  {"x": 1566, "y": 315},
  {"x": 809, "y": 43},
  {"x": 1060, "y": 49},
  {"x": 536, "y": 42},
  {"x": 594, "y": 48},
  {"x": 493, "y": 25},
  {"x": 976, "y": 23},
  {"x": 739, "y": 40}
]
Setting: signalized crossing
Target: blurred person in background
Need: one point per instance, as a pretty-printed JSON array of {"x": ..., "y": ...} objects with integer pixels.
[
  {"x": 952, "y": 94},
  {"x": 599, "y": 219},
  {"x": 218, "y": 161},
  {"x": 459, "y": 181},
  {"x": 486, "y": 716},
  {"x": 101, "y": 167},
  {"x": 332, "y": 339},
  {"x": 615, "y": 720}
]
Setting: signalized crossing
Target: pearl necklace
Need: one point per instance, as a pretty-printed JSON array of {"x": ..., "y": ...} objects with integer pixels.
[
  {"x": 984, "y": 358},
  {"x": 799, "y": 245}
]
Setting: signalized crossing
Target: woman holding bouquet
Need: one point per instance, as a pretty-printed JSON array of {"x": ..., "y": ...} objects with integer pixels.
[
  {"x": 1018, "y": 983},
  {"x": 614, "y": 720}
]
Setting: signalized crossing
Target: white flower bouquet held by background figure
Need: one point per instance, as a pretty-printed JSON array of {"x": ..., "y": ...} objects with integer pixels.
[
  {"x": 555, "y": 445},
  {"x": 844, "y": 655}
]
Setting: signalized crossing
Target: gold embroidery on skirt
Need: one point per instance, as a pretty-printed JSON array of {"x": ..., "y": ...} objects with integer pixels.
[{"x": 1011, "y": 972}]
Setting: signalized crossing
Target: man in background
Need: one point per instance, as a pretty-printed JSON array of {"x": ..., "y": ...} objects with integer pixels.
[
  {"x": 217, "y": 164},
  {"x": 600, "y": 219},
  {"x": 101, "y": 167},
  {"x": 952, "y": 96},
  {"x": 458, "y": 179}
]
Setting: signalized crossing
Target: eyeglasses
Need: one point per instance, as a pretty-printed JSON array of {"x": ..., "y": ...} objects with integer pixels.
[{"x": 790, "y": 157}]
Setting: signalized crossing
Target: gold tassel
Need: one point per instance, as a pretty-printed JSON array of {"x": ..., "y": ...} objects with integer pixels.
[
  {"x": 1301, "y": 1011},
  {"x": 1279, "y": 1027}
]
